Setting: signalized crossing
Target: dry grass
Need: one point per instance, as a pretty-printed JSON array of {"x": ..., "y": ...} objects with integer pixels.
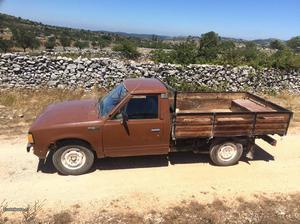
[
  {"x": 18, "y": 108},
  {"x": 291, "y": 102},
  {"x": 275, "y": 209},
  {"x": 36, "y": 100},
  {"x": 3, "y": 205},
  {"x": 62, "y": 217},
  {"x": 31, "y": 212}
]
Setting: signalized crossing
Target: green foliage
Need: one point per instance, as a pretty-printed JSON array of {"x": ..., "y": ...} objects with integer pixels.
[
  {"x": 5, "y": 45},
  {"x": 162, "y": 56},
  {"x": 285, "y": 59},
  {"x": 215, "y": 51},
  {"x": 128, "y": 49},
  {"x": 25, "y": 39},
  {"x": 51, "y": 42},
  {"x": 185, "y": 53},
  {"x": 208, "y": 49},
  {"x": 65, "y": 40},
  {"x": 104, "y": 41},
  {"x": 183, "y": 85},
  {"x": 277, "y": 44},
  {"x": 81, "y": 44},
  {"x": 228, "y": 54},
  {"x": 211, "y": 49},
  {"x": 294, "y": 43}
]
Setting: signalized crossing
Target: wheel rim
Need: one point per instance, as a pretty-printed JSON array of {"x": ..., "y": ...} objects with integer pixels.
[
  {"x": 73, "y": 158},
  {"x": 227, "y": 151}
]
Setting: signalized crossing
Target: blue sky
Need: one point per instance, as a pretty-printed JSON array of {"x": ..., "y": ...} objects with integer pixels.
[{"x": 249, "y": 19}]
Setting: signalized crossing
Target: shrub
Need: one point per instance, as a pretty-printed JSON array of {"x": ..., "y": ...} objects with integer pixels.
[
  {"x": 50, "y": 44},
  {"x": 128, "y": 49},
  {"x": 81, "y": 44},
  {"x": 5, "y": 45},
  {"x": 162, "y": 56},
  {"x": 25, "y": 39}
]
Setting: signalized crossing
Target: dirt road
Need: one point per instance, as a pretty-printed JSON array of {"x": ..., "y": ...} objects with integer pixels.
[{"x": 148, "y": 182}]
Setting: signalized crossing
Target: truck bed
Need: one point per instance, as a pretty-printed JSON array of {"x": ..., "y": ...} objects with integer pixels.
[{"x": 228, "y": 114}]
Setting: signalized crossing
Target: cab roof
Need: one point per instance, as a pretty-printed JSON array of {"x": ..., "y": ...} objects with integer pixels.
[{"x": 144, "y": 85}]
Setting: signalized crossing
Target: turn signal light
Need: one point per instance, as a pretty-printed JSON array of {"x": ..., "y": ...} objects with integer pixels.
[{"x": 30, "y": 138}]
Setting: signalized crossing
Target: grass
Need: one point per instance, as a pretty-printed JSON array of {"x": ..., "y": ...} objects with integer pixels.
[
  {"x": 31, "y": 212},
  {"x": 279, "y": 208},
  {"x": 19, "y": 107},
  {"x": 62, "y": 217},
  {"x": 289, "y": 101}
]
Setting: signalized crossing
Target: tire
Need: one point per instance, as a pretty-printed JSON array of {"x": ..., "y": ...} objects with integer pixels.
[
  {"x": 226, "y": 153},
  {"x": 73, "y": 159}
]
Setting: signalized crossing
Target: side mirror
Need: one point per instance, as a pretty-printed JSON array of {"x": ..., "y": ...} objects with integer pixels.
[{"x": 124, "y": 118}]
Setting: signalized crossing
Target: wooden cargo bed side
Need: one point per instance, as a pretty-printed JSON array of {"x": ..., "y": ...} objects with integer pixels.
[{"x": 247, "y": 115}]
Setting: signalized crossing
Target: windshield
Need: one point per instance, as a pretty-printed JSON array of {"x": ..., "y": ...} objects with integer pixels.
[{"x": 112, "y": 99}]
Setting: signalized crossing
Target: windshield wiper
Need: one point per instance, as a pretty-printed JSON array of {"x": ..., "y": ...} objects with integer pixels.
[{"x": 99, "y": 105}]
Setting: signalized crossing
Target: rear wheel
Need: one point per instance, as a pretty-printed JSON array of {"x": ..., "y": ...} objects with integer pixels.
[
  {"x": 226, "y": 153},
  {"x": 73, "y": 159}
]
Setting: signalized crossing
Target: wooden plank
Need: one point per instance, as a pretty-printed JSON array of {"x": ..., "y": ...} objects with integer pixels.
[
  {"x": 229, "y": 121},
  {"x": 251, "y": 106},
  {"x": 232, "y": 133},
  {"x": 194, "y": 128},
  {"x": 188, "y": 134},
  {"x": 269, "y": 132},
  {"x": 232, "y": 128},
  {"x": 271, "y": 126}
]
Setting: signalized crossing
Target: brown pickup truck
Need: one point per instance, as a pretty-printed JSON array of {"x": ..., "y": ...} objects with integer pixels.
[{"x": 148, "y": 117}]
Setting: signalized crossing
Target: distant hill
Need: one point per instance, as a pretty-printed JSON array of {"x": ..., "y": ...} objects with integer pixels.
[
  {"x": 265, "y": 42},
  {"x": 44, "y": 30},
  {"x": 40, "y": 29}
]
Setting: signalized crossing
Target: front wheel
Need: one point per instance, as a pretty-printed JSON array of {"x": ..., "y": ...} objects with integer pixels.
[
  {"x": 73, "y": 159},
  {"x": 226, "y": 153}
]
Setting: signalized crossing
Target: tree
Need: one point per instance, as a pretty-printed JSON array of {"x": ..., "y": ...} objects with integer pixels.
[
  {"x": 65, "y": 41},
  {"x": 50, "y": 44},
  {"x": 208, "y": 49},
  {"x": 162, "y": 56},
  {"x": 5, "y": 45},
  {"x": 285, "y": 59},
  {"x": 294, "y": 43},
  {"x": 103, "y": 41},
  {"x": 81, "y": 44},
  {"x": 128, "y": 49},
  {"x": 250, "y": 52},
  {"x": 25, "y": 39},
  {"x": 185, "y": 53},
  {"x": 229, "y": 53},
  {"x": 277, "y": 44},
  {"x": 94, "y": 44}
]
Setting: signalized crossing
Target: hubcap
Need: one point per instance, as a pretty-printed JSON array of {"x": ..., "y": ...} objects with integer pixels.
[
  {"x": 73, "y": 158},
  {"x": 227, "y": 151}
]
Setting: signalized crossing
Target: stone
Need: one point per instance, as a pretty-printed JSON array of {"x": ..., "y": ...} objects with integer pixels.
[
  {"x": 71, "y": 66},
  {"x": 19, "y": 70}
]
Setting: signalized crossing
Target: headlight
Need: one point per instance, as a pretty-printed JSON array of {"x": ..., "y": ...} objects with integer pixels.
[{"x": 30, "y": 138}]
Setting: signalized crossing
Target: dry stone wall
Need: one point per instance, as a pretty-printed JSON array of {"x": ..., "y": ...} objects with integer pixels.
[{"x": 24, "y": 71}]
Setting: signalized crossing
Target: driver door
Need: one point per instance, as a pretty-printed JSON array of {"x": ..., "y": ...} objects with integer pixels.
[{"x": 141, "y": 134}]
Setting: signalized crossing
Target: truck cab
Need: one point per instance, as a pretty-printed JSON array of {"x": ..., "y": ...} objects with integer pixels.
[{"x": 132, "y": 119}]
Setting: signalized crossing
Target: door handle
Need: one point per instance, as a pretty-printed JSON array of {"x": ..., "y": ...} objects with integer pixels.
[
  {"x": 155, "y": 129},
  {"x": 93, "y": 128}
]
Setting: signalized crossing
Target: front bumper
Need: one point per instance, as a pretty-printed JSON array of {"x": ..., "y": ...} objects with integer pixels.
[{"x": 29, "y": 146}]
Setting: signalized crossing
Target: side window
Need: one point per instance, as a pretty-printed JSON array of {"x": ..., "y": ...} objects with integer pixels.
[{"x": 142, "y": 107}]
